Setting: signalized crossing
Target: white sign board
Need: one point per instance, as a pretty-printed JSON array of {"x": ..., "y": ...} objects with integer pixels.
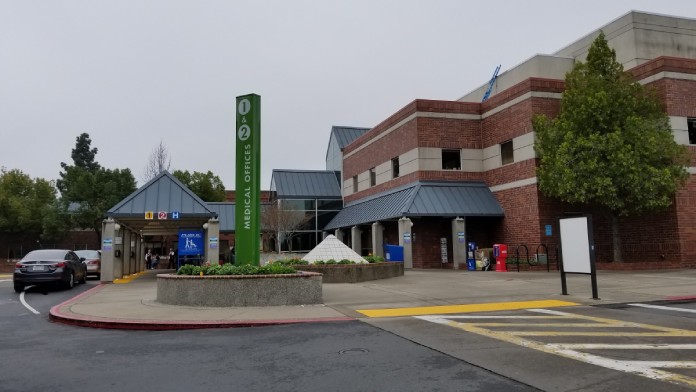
[{"x": 575, "y": 245}]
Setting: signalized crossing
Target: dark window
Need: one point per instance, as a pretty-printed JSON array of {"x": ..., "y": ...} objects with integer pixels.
[
  {"x": 451, "y": 160},
  {"x": 506, "y": 152},
  {"x": 691, "y": 124},
  {"x": 395, "y": 167},
  {"x": 355, "y": 184},
  {"x": 330, "y": 205},
  {"x": 373, "y": 177}
]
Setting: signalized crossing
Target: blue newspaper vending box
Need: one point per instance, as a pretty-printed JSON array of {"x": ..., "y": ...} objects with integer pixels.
[{"x": 470, "y": 256}]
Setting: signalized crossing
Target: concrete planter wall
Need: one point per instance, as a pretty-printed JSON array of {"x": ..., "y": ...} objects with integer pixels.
[
  {"x": 354, "y": 273},
  {"x": 240, "y": 290}
]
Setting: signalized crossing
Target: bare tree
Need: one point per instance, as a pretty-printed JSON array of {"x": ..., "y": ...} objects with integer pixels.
[
  {"x": 283, "y": 224},
  {"x": 158, "y": 162}
]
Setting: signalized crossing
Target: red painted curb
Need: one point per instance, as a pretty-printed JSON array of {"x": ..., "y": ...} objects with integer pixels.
[{"x": 684, "y": 298}]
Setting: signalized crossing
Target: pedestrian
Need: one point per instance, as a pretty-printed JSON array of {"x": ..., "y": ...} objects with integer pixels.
[
  {"x": 172, "y": 261},
  {"x": 148, "y": 260},
  {"x": 155, "y": 262}
]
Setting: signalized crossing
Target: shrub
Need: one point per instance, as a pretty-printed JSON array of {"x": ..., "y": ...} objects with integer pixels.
[
  {"x": 293, "y": 261},
  {"x": 331, "y": 261},
  {"x": 319, "y": 262},
  {"x": 229, "y": 269},
  {"x": 346, "y": 261},
  {"x": 374, "y": 259}
]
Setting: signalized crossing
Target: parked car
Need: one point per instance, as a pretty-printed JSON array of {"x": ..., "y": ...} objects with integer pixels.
[
  {"x": 45, "y": 266},
  {"x": 93, "y": 261}
]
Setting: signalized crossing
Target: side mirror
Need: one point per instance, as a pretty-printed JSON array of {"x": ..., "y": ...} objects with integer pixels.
[{"x": 82, "y": 259}]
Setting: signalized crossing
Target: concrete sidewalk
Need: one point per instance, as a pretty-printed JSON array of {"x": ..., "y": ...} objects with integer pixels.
[{"x": 133, "y": 305}]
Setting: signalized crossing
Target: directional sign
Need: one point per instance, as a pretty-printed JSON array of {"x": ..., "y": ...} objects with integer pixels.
[
  {"x": 175, "y": 214},
  {"x": 149, "y": 215},
  {"x": 162, "y": 215}
]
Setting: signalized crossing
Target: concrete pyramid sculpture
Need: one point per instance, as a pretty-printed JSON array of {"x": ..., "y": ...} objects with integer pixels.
[{"x": 332, "y": 248}]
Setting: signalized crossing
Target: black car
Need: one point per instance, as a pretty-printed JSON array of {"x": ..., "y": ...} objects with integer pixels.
[{"x": 60, "y": 266}]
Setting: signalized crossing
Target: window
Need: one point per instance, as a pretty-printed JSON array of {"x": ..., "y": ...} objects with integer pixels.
[
  {"x": 355, "y": 184},
  {"x": 691, "y": 124},
  {"x": 451, "y": 160},
  {"x": 395, "y": 167},
  {"x": 506, "y": 152},
  {"x": 373, "y": 177}
]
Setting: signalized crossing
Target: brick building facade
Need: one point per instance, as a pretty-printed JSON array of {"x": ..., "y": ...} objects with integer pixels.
[{"x": 493, "y": 142}]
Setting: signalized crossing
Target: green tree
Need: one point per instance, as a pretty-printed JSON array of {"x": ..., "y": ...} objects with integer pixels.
[
  {"x": 207, "y": 186},
  {"x": 611, "y": 145},
  {"x": 91, "y": 189},
  {"x": 23, "y": 204}
]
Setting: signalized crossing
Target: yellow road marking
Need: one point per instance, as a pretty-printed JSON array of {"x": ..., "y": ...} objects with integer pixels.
[
  {"x": 128, "y": 278},
  {"x": 469, "y": 308}
]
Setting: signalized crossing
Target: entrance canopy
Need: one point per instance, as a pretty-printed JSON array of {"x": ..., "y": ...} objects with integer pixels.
[
  {"x": 421, "y": 198},
  {"x": 161, "y": 207}
]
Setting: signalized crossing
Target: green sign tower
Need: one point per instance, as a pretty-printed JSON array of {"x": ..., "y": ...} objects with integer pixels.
[{"x": 248, "y": 180}]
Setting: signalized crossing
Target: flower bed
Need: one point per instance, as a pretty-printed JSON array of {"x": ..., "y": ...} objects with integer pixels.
[{"x": 302, "y": 288}]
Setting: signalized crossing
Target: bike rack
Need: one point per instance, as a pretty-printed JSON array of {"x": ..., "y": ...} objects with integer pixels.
[
  {"x": 517, "y": 255},
  {"x": 548, "y": 259}
]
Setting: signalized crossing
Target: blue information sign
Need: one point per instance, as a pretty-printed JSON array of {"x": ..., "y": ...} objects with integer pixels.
[
  {"x": 191, "y": 242},
  {"x": 548, "y": 230}
]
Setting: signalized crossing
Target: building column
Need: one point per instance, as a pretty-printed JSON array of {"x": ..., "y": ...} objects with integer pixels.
[
  {"x": 212, "y": 241},
  {"x": 459, "y": 247},
  {"x": 355, "y": 239},
  {"x": 405, "y": 240},
  {"x": 127, "y": 261},
  {"x": 139, "y": 254},
  {"x": 107, "y": 250},
  {"x": 339, "y": 234},
  {"x": 118, "y": 249},
  {"x": 377, "y": 239}
]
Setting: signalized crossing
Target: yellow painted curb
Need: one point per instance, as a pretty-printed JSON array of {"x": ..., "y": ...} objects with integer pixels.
[
  {"x": 2, "y": 276},
  {"x": 128, "y": 278},
  {"x": 470, "y": 308}
]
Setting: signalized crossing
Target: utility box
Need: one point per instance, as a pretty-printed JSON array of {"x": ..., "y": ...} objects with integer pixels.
[{"x": 394, "y": 252}]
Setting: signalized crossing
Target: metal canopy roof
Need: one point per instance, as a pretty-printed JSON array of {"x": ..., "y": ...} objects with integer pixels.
[
  {"x": 225, "y": 213},
  {"x": 421, "y": 199},
  {"x": 307, "y": 184},
  {"x": 345, "y": 135},
  {"x": 164, "y": 193}
]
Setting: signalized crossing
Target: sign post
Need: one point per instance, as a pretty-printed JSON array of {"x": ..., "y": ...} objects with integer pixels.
[
  {"x": 248, "y": 179},
  {"x": 577, "y": 251}
]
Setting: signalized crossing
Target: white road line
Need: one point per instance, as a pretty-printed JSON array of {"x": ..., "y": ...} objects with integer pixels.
[
  {"x": 596, "y": 346},
  {"x": 665, "y": 308},
  {"x": 5, "y": 280},
  {"x": 26, "y": 305}
]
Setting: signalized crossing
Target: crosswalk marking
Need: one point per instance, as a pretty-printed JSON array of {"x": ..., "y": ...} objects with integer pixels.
[{"x": 510, "y": 332}]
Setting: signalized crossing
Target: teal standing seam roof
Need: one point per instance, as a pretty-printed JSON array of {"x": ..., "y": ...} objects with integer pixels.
[
  {"x": 421, "y": 199},
  {"x": 306, "y": 184}
]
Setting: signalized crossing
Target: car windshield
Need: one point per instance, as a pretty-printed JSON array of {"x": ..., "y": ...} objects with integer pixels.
[
  {"x": 87, "y": 254},
  {"x": 45, "y": 255}
]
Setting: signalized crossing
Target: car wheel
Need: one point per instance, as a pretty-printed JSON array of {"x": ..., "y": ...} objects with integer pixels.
[
  {"x": 71, "y": 281},
  {"x": 18, "y": 287}
]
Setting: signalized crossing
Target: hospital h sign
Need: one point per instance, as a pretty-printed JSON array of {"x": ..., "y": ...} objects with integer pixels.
[{"x": 248, "y": 179}]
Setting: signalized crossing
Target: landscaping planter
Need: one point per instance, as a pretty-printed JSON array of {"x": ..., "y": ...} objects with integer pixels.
[
  {"x": 240, "y": 290},
  {"x": 354, "y": 273}
]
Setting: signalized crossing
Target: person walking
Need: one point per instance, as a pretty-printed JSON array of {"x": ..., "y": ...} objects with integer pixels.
[
  {"x": 148, "y": 260},
  {"x": 172, "y": 259}
]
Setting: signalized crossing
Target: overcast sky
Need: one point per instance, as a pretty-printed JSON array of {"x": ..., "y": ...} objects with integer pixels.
[{"x": 131, "y": 73}]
